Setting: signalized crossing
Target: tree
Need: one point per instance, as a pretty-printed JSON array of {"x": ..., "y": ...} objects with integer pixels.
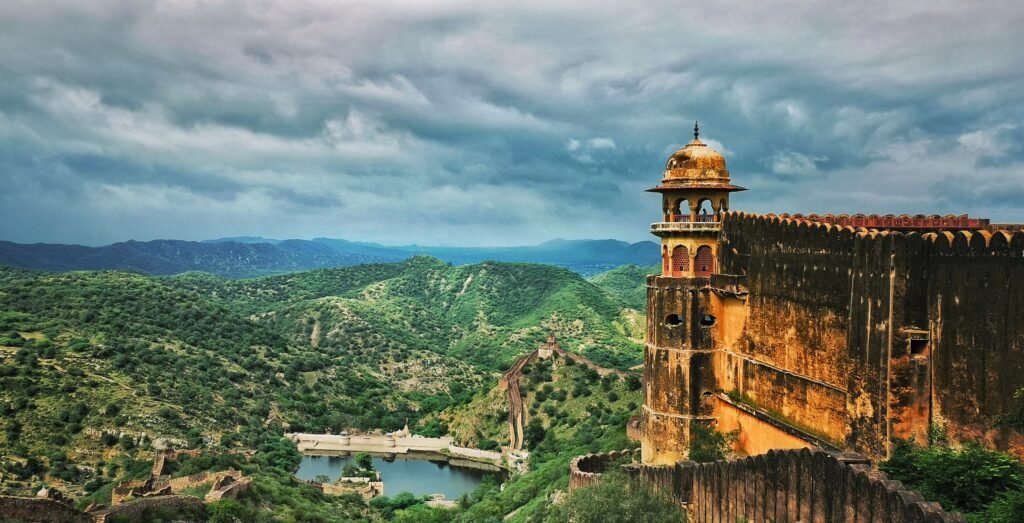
[
  {"x": 707, "y": 444},
  {"x": 364, "y": 461},
  {"x": 633, "y": 382},
  {"x": 228, "y": 511},
  {"x": 534, "y": 432}
]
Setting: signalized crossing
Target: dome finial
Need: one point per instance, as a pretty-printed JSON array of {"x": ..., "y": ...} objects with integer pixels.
[{"x": 696, "y": 130}]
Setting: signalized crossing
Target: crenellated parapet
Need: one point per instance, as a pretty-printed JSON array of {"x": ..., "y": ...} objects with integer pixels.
[
  {"x": 901, "y": 221},
  {"x": 950, "y": 234},
  {"x": 587, "y": 469},
  {"x": 781, "y": 485}
]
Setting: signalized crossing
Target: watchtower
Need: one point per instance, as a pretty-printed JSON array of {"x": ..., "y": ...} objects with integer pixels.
[{"x": 678, "y": 373}]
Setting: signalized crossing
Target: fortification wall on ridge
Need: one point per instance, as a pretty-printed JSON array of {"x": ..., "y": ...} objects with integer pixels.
[
  {"x": 40, "y": 510},
  {"x": 133, "y": 510},
  {"x": 867, "y": 335}
]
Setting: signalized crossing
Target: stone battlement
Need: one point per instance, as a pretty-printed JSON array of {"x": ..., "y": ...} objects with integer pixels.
[
  {"x": 902, "y": 221},
  {"x": 978, "y": 239},
  {"x": 786, "y": 485},
  {"x": 587, "y": 469}
]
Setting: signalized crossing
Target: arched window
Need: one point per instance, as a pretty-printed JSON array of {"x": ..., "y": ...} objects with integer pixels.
[
  {"x": 680, "y": 260},
  {"x": 705, "y": 211},
  {"x": 704, "y": 261}
]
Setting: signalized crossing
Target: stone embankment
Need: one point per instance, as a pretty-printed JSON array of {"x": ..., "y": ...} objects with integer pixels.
[
  {"x": 782, "y": 485},
  {"x": 387, "y": 444}
]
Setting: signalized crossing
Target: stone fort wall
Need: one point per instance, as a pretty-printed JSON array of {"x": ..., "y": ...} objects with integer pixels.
[
  {"x": 860, "y": 336},
  {"x": 17, "y": 508},
  {"x": 133, "y": 510},
  {"x": 790, "y": 485}
]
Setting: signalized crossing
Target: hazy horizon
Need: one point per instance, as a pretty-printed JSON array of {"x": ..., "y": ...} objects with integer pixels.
[
  {"x": 381, "y": 244},
  {"x": 465, "y": 124}
]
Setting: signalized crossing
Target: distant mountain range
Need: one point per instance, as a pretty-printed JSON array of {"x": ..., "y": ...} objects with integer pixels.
[{"x": 247, "y": 256}]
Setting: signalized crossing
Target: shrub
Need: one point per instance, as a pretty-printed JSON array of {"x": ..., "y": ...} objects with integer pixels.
[
  {"x": 707, "y": 444},
  {"x": 628, "y": 500},
  {"x": 966, "y": 479},
  {"x": 1008, "y": 508},
  {"x": 534, "y": 432},
  {"x": 364, "y": 461},
  {"x": 488, "y": 444}
]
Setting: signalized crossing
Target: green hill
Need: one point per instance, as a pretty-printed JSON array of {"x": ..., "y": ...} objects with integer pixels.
[
  {"x": 95, "y": 364},
  {"x": 121, "y": 352},
  {"x": 627, "y": 283},
  {"x": 486, "y": 314}
]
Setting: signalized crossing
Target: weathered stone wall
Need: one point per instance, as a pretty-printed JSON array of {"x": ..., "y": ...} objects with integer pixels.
[
  {"x": 227, "y": 487},
  {"x": 792, "y": 357},
  {"x": 860, "y": 336},
  {"x": 195, "y": 480},
  {"x": 791, "y": 485},
  {"x": 133, "y": 510},
  {"x": 781, "y": 486},
  {"x": 33, "y": 510},
  {"x": 757, "y": 433},
  {"x": 586, "y": 470},
  {"x": 678, "y": 370},
  {"x": 972, "y": 298}
]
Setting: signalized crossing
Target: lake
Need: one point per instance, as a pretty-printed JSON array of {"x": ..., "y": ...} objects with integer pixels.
[{"x": 418, "y": 475}]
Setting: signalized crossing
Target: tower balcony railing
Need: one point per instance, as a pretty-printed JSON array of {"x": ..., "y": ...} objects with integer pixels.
[{"x": 684, "y": 223}]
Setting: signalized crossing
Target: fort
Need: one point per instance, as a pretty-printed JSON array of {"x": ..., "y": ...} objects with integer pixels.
[{"x": 827, "y": 333}]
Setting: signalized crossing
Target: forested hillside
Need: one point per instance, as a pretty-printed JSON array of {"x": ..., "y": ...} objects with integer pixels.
[
  {"x": 243, "y": 257},
  {"x": 628, "y": 283},
  {"x": 233, "y": 259},
  {"x": 96, "y": 365},
  {"x": 486, "y": 313}
]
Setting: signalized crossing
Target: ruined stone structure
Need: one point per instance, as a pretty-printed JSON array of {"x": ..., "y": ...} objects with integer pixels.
[
  {"x": 20, "y": 508},
  {"x": 835, "y": 332},
  {"x": 44, "y": 510}
]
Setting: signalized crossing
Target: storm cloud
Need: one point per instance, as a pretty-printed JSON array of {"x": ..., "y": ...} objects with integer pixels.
[{"x": 473, "y": 124}]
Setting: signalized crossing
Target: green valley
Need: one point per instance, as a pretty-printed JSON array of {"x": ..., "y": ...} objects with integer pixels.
[{"x": 101, "y": 369}]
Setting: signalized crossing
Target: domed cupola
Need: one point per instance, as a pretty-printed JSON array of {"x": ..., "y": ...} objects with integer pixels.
[
  {"x": 695, "y": 192},
  {"x": 697, "y": 166}
]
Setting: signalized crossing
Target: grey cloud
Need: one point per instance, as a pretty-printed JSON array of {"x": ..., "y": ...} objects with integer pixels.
[{"x": 407, "y": 121}]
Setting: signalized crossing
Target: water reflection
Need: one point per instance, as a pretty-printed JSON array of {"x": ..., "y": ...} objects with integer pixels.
[{"x": 421, "y": 477}]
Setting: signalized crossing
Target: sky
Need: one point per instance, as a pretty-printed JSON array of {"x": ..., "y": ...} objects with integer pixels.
[{"x": 493, "y": 123}]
